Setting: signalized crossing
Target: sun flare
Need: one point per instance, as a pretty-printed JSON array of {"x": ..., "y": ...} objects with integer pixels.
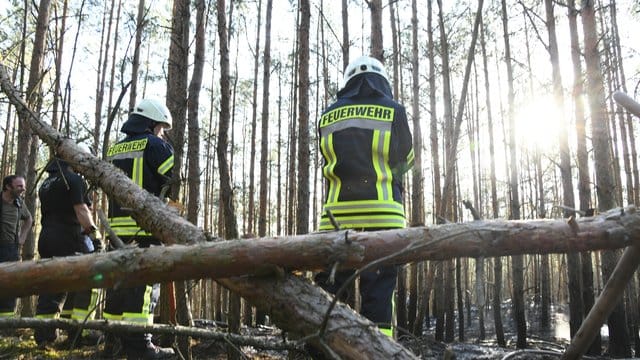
[{"x": 538, "y": 124}]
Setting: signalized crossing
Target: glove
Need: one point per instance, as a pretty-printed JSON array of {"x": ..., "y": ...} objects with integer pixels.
[{"x": 87, "y": 245}]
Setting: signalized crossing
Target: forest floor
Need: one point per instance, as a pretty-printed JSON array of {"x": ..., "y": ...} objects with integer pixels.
[{"x": 548, "y": 344}]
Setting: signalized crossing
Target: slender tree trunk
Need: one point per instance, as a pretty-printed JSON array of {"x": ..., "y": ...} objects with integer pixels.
[
  {"x": 226, "y": 193},
  {"x": 254, "y": 116},
  {"x": 345, "y": 34},
  {"x": 435, "y": 158},
  {"x": 514, "y": 204},
  {"x": 417, "y": 194},
  {"x": 302, "y": 210},
  {"x": 584, "y": 184},
  {"x": 193, "y": 146},
  {"x": 618, "y": 335},
  {"x": 396, "y": 51},
  {"x": 27, "y": 141},
  {"x": 135, "y": 61},
  {"x": 177, "y": 80},
  {"x": 264, "y": 144},
  {"x": 377, "y": 44}
]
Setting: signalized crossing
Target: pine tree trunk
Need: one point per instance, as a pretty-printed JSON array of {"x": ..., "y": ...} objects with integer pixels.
[
  {"x": 377, "y": 44},
  {"x": 135, "y": 61},
  {"x": 602, "y": 157},
  {"x": 302, "y": 209},
  {"x": 254, "y": 116}
]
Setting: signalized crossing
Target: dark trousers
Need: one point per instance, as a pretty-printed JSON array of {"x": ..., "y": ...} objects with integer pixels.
[
  {"x": 57, "y": 240},
  {"x": 376, "y": 292},
  {"x": 8, "y": 252},
  {"x": 134, "y": 304}
]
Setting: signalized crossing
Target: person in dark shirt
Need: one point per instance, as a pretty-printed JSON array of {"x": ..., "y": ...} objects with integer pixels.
[
  {"x": 15, "y": 226},
  {"x": 66, "y": 223}
]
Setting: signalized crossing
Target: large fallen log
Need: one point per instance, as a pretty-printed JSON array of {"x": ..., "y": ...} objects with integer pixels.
[
  {"x": 153, "y": 215},
  {"x": 133, "y": 266}
]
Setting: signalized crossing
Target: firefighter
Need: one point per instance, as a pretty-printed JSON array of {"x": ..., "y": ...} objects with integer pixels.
[
  {"x": 148, "y": 160},
  {"x": 66, "y": 225},
  {"x": 366, "y": 145}
]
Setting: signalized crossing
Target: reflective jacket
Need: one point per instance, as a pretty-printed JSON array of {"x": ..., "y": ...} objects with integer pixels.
[
  {"x": 366, "y": 145},
  {"x": 148, "y": 161}
]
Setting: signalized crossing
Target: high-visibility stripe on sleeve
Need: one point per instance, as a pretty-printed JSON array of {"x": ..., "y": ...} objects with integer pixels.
[{"x": 166, "y": 165}]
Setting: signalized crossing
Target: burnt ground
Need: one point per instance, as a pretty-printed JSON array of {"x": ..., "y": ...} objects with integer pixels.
[{"x": 548, "y": 344}]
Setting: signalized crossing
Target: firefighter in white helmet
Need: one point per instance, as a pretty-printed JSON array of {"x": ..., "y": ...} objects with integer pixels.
[
  {"x": 366, "y": 144},
  {"x": 148, "y": 160}
]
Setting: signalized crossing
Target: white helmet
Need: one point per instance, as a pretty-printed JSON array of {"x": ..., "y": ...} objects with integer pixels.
[
  {"x": 154, "y": 110},
  {"x": 361, "y": 65}
]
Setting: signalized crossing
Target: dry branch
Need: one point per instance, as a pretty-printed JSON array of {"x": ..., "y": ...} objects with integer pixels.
[
  {"x": 261, "y": 342},
  {"x": 288, "y": 310}
]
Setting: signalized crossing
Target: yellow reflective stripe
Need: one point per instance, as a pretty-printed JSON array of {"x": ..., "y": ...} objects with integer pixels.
[
  {"x": 122, "y": 220},
  {"x": 137, "y": 170},
  {"x": 365, "y": 221},
  {"x": 326, "y": 146},
  {"x": 81, "y": 314},
  {"x": 126, "y": 226},
  {"x": 386, "y": 331},
  {"x": 130, "y": 232},
  {"x": 143, "y": 317},
  {"x": 66, "y": 313},
  {"x": 410, "y": 158},
  {"x": 7, "y": 314},
  {"x": 380, "y": 159},
  {"x": 47, "y": 316},
  {"x": 147, "y": 303},
  {"x": 166, "y": 166},
  {"x": 358, "y": 206},
  {"x": 108, "y": 316}
]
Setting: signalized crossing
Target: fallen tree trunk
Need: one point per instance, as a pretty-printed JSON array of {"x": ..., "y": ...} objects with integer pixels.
[
  {"x": 165, "y": 224},
  {"x": 134, "y": 266}
]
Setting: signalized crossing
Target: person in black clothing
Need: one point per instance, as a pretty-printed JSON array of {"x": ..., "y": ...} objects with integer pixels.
[
  {"x": 366, "y": 144},
  {"x": 148, "y": 160},
  {"x": 15, "y": 224},
  {"x": 66, "y": 222}
]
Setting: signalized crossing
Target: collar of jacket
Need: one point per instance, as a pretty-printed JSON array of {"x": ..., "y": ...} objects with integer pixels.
[{"x": 366, "y": 84}]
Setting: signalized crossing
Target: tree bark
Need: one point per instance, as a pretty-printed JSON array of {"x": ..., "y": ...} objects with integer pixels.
[
  {"x": 302, "y": 204},
  {"x": 377, "y": 45},
  {"x": 619, "y": 344},
  {"x": 133, "y": 266},
  {"x": 135, "y": 61},
  {"x": 254, "y": 121}
]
